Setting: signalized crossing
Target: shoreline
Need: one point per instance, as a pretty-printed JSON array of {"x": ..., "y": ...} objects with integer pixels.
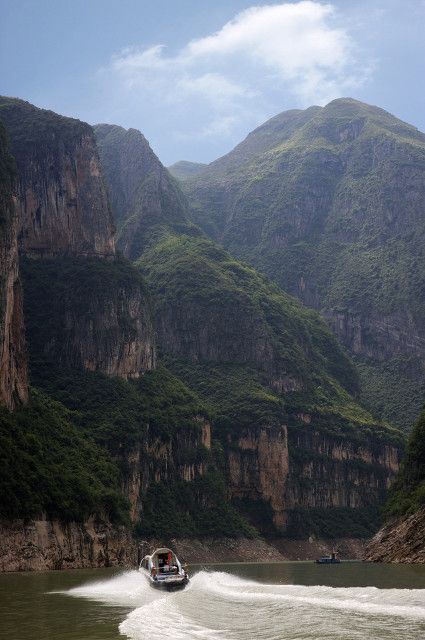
[{"x": 40, "y": 545}]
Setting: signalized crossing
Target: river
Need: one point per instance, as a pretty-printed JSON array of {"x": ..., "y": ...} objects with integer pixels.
[{"x": 265, "y": 601}]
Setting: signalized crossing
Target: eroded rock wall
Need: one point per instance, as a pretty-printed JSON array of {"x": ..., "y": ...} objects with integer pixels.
[
  {"x": 38, "y": 545},
  {"x": 13, "y": 363},
  {"x": 400, "y": 541}
]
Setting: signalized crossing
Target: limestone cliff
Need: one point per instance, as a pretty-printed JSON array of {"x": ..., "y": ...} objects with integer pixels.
[
  {"x": 145, "y": 199},
  {"x": 250, "y": 351},
  {"x": 156, "y": 461},
  {"x": 62, "y": 201},
  {"x": 63, "y": 212},
  {"x": 307, "y": 468},
  {"x": 13, "y": 369},
  {"x": 40, "y": 545}
]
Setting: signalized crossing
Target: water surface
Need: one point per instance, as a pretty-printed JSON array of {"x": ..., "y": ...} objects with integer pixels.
[{"x": 270, "y": 601}]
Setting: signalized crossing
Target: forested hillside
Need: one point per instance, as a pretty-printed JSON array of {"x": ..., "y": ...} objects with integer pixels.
[
  {"x": 261, "y": 362},
  {"x": 329, "y": 203}
]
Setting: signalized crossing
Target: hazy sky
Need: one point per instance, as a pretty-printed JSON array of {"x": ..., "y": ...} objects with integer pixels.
[{"x": 196, "y": 77}]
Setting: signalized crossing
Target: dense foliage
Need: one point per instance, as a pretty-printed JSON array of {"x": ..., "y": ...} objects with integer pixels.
[
  {"x": 335, "y": 522},
  {"x": 408, "y": 490},
  {"x": 51, "y": 464},
  {"x": 32, "y": 130}
]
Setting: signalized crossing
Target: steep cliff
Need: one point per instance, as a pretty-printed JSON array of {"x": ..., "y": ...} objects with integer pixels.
[
  {"x": 329, "y": 203},
  {"x": 258, "y": 359},
  {"x": 62, "y": 202},
  {"x": 13, "y": 369},
  {"x": 101, "y": 309},
  {"x": 145, "y": 200},
  {"x": 89, "y": 313}
]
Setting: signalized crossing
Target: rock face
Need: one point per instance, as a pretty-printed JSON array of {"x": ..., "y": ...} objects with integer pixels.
[
  {"x": 41, "y": 545},
  {"x": 145, "y": 199},
  {"x": 90, "y": 313},
  {"x": 400, "y": 541},
  {"x": 63, "y": 211},
  {"x": 13, "y": 370},
  {"x": 156, "y": 461},
  {"x": 62, "y": 202},
  {"x": 322, "y": 472},
  {"x": 214, "y": 312}
]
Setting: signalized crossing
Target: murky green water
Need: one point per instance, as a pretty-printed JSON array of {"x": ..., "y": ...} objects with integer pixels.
[{"x": 278, "y": 601}]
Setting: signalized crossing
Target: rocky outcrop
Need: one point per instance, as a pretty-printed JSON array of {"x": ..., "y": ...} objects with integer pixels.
[
  {"x": 63, "y": 212},
  {"x": 62, "y": 201},
  {"x": 380, "y": 338},
  {"x": 38, "y": 545},
  {"x": 158, "y": 461},
  {"x": 329, "y": 203},
  {"x": 145, "y": 199},
  {"x": 13, "y": 369},
  {"x": 400, "y": 541},
  {"x": 320, "y": 470},
  {"x": 327, "y": 471},
  {"x": 258, "y": 467}
]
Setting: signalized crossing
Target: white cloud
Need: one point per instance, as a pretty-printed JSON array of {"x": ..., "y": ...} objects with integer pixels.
[{"x": 265, "y": 54}]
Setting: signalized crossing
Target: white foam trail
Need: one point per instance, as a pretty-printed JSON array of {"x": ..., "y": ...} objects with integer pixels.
[
  {"x": 221, "y": 606},
  {"x": 128, "y": 589}
]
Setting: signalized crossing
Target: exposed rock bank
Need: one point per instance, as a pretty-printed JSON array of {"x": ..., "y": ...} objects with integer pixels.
[
  {"x": 400, "y": 541},
  {"x": 40, "y": 545}
]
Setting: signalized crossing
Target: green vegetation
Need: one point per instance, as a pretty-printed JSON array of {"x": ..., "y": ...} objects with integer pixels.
[
  {"x": 37, "y": 129},
  {"x": 207, "y": 292},
  {"x": 334, "y": 522},
  {"x": 176, "y": 511},
  {"x": 408, "y": 490},
  {"x": 392, "y": 390},
  {"x": 327, "y": 203},
  {"x": 52, "y": 464}
]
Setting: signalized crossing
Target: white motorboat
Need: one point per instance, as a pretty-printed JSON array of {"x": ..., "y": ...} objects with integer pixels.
[{"x": 164, "y": 570}]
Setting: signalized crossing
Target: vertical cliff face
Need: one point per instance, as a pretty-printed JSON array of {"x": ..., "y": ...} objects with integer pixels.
[
  {"x": 258, "y": 467},
  {"x": 156, "y": 461},
  {"x": 62, "y": 202},
  {"x": 63, "y": 212},
  {"x": 13, "y": 369},
  {"x": 292, "y": 468}
]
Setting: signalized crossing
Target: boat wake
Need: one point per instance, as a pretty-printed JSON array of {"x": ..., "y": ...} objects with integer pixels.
[{"x": 221, "y": 606}]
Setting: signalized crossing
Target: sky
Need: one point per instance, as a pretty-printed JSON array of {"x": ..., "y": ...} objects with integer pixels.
[{"x": 195, "y": 77}]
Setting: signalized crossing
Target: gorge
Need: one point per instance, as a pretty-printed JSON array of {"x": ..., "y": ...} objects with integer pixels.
[{"x": 182, "y": 378}]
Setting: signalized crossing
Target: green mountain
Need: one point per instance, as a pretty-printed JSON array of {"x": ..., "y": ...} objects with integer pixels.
[
  {"x": 184, "y": 170},
  {"x": 103, "y": 425},
  {"x": 329, "y": 202},
  {"x": 271, "y": 373}
]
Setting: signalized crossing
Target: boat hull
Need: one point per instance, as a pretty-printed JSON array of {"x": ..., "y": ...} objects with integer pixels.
[{"x": 168, "y": 585}]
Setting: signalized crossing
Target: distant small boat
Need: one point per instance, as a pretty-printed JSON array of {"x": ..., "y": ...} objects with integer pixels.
[
  {"x": 330, "y": 559},
  {"x": 163, "y": 570}
]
